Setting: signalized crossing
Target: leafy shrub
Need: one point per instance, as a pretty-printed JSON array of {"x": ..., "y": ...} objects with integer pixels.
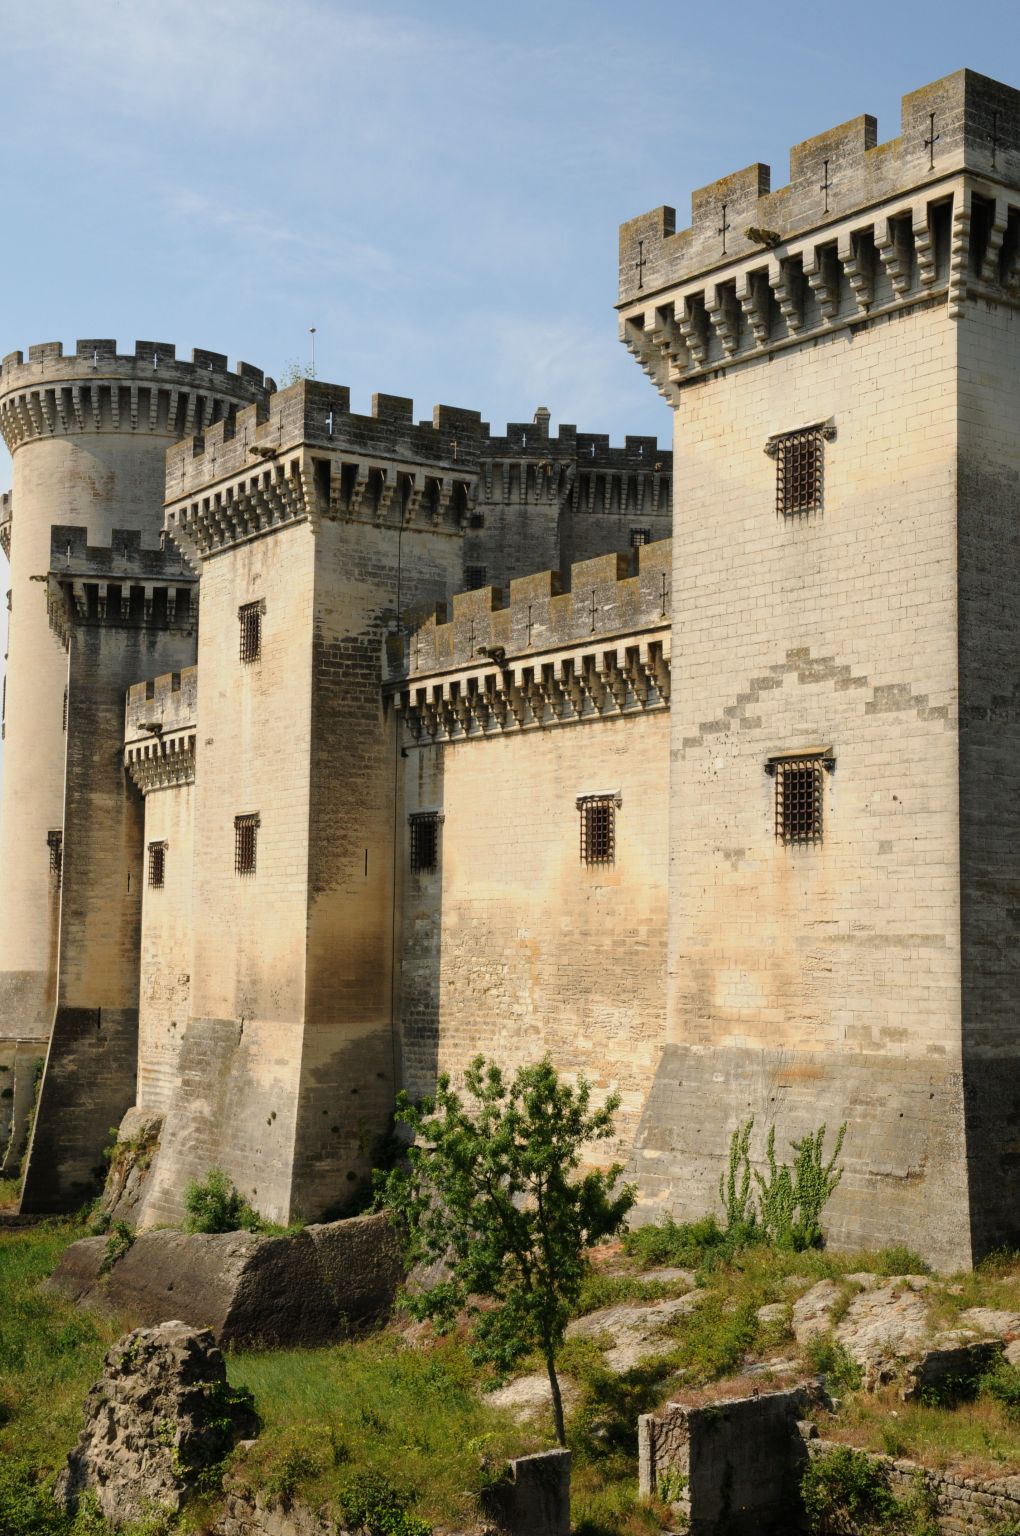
[
  {"x": 214, "y": 1204},
  {"x": 687, "y": 1243},
  {"x": 792, "y": 1200},
  {"x": 117, "y": 1244},
  {"x": 27, "y": 1507},
  {"x": 372, "y": 1504},
  {"x": 828, "y": 1358},
  {"x": 735, "y": 1186},
  {"x": 1003, "y": 1384},
  {"x": 898, "y": 1259},
  {"x": 285, "y": 1479},
  {"x": 845, "y": 1493},
  {"x": 713, "y": 1341}
]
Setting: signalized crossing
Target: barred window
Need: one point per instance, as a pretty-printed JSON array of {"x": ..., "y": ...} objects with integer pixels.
[
  {"x": 799, "y": 797},
  {"x": 250, "y": 618},
  {"x": 424, "y": 841},
  {"x": 639, "y": 536},
  {"x": 598, "y": 828},
  {"x": 157, "y": 865},
  {"x": 799, "y": 465},
  {"x": 55, "y": 843},
  {"x": 246, "y": 834},
  {"x": 474, "y": 577}
]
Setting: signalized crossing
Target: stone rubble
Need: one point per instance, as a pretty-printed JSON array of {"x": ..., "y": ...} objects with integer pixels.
[{"x": 161, "y": 1412}]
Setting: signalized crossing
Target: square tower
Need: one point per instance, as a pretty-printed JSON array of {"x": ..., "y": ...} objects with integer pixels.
[{"x": 843, "y": 356}]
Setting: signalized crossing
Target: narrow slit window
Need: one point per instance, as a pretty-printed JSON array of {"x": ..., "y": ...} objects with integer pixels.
[
  {"x": 157, "y": 866},
  {"x": 639, "y": 536},
  {"x": 246, "y": 835},
  {"x": 598, "y": 828},
  {"x": 799, "y": 472},
  {"x": 799, "y": 800},
  {"x": 424, "y": 841},
  {"x": 250, "y": 619},
  {"x": 55, "y": 843}
]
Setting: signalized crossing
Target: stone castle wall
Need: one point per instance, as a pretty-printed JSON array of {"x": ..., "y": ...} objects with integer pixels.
[
  {"x": 513, "y": 945},
  {"x": 159, "y": 733},
  {"x": 848, "y": 978},
  {"x": 114, "y": 631},
  {"x": 988, "y": 560}
]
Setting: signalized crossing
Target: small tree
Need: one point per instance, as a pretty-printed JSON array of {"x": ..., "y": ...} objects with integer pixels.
[{"x": 490, "y": 1188}]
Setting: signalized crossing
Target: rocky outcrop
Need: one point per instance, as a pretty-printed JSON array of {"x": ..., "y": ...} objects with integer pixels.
[
  {"x": 950, "y": 1372},
  {"x": 130, "y": 1163},
  {"x": 160, "y": 1416},
  {"x": 637, "y": 1332},
  {"x": 302, "y": 1288}
]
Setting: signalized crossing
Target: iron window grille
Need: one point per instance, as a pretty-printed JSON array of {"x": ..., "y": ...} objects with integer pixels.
[
  {"x": 250, "y": 621},
  {"x": 474, "y": 577},
  {"x": 157, "y": 865},
  {"x": 639, "y": 536},
  {"x": 55, "y": 843},
  {"x": 246, "y": 836},
  {"x": 799, "y": 795},
  {"x": 424, "y": 827},
  {"x": 598, "y": 828},
  {"x": 800, "y": 463}
]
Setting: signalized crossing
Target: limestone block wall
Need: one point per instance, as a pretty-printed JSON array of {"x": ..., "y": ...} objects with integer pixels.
[
  {"x": 989, "y": 659},
  {"x": 88, "y": 433},
  {"x": 163, "y": 767},
  {"x": 803, "y": 978},
  {"x": 513, "y": 947},
  {"x": 548, "y": 502},
  {"x": 89, "y": 1079},
  {"x": 365, "y": 575},
  {"x": 240, "y": 1062}
]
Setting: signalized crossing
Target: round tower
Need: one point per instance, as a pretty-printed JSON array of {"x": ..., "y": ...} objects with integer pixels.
[{"x": 88, "y": 435}]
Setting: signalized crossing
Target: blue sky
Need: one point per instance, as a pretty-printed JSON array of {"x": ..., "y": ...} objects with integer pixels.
[{"x": 436, "y": 187}]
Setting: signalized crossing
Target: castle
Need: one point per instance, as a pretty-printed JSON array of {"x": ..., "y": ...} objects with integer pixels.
[{"x": 319, "y": 778}]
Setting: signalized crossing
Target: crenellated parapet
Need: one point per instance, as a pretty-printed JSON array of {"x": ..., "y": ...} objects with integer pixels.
[
  {"x": 119, "y": 584},
  {"x": 550, "y": 656},
  {"x": 581, "y": 470},
  {"x": 6, "y": 521},
  {"x": 97, "y": 389},
  {"x": 305, "y": 454},
  {"x": 159, "y": 730},
  {"x": 862, "y": 230}
]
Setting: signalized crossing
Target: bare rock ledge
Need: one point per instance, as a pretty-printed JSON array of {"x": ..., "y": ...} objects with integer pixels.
[{"x": 302, "y": 1288}]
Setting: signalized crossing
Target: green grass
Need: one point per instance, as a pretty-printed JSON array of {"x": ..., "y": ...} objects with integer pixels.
[
  {"x": 975, "y": 1439},
  {"x": 50, "y": 1353},
  {"x": 358, "y": 1409},
  {"x": 374, "y": 1406},
  {"x": 602, "y": 1290},
  {"x": 10, "y": 1194}
]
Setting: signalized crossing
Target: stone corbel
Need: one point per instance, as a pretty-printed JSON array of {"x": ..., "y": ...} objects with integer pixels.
[
  {"x": 959, "y": 251},
  {"x": 753, "y": 298},
  {"x": 893, "y": 249},
  {"x": 785, "y": 280},
  {"x": 924, "y": 245},
  {"x": 724, "y": 316},
  {"x": 693, "y": 327},
  {"x": 822, "y": 273},
  {"x": 1000, "y": 222},
  {"x": 856, "y": 251}
]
